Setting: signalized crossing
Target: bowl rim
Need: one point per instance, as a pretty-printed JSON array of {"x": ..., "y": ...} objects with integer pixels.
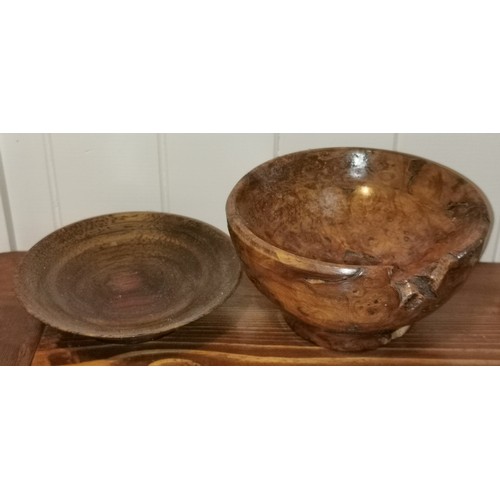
[
  {"x": 237, "y": 224},
  {"x": 126, "y": 334}
]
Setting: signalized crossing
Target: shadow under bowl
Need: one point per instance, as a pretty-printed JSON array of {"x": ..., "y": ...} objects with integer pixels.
[
  {"x": 128, "y": 276},
  {"x": 356, "y": 244}
]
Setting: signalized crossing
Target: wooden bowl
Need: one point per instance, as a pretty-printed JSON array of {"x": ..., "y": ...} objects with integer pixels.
[
  {"x": 356, "y": 244},
  {"x": 128, "y": 276}
]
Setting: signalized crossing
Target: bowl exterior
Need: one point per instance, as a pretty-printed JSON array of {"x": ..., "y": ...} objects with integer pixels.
[
  {"x": 355, "y": 295},
  {"x": 350, "y": 299}
]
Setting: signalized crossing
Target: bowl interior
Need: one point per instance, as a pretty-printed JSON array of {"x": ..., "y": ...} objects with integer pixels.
[
  {"x": 127, "y": 275},
  {"x": 360, "y": 206}
]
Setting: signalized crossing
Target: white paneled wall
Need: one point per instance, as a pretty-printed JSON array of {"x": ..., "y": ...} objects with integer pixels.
[
  {"x": 203, "y": 168},
  {"x": 4, "y": 233},
  {"x": 289, "y": 143},
  {"x": 28, "y": 187},
  {"x": 103, "y": 173},
  {"x": 55, "y": 179},
  {"x": 4, "y": 236}
]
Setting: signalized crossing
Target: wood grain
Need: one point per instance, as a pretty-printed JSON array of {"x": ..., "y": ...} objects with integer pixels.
[
  {"x": 249, "y": 330},
  {"x": 128, "y": 276},
  {"x": 356, "y": 244},
  {"x": 473, "y": 155},
  {"x": 19, "y": 332}
]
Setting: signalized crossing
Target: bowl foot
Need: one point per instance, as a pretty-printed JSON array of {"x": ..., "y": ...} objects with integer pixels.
[{"x": 347, "y": 342}]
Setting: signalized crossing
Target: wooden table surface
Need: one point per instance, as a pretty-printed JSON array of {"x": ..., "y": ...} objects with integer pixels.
[{"x": 249, "y": 330}]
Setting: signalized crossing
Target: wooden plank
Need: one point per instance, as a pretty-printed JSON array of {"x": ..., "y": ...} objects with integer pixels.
[
  {"x": 249, "y": 330},
  {"x": 19, "y": 332}
]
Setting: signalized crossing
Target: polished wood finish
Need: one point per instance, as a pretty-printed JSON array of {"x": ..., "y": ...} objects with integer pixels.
[
  {"x": 19, "y": 332},
  {"x": 128, "y": 276},
  {"x": 250, "y": 330},
  {"x": 355, "y": 245}
]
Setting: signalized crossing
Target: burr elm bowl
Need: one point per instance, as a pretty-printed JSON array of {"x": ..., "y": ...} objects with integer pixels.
[{"x": 353, "y": 244}]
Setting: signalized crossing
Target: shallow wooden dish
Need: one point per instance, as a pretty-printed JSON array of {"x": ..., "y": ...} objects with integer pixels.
[
  {"x": 356, "y": 244},
  {"x": 128, "y": 276}
]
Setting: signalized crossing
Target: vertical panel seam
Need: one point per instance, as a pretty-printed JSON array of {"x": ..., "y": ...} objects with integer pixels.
[
  {"x": 161, "y": 141},
  {"x": 7, "y": 212},
  {"x": 496, "y": 244},
  {"x": 52, "y": 178},
  {"x": 276, "y": 145},
  {"x": 395, "y": 142}
]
